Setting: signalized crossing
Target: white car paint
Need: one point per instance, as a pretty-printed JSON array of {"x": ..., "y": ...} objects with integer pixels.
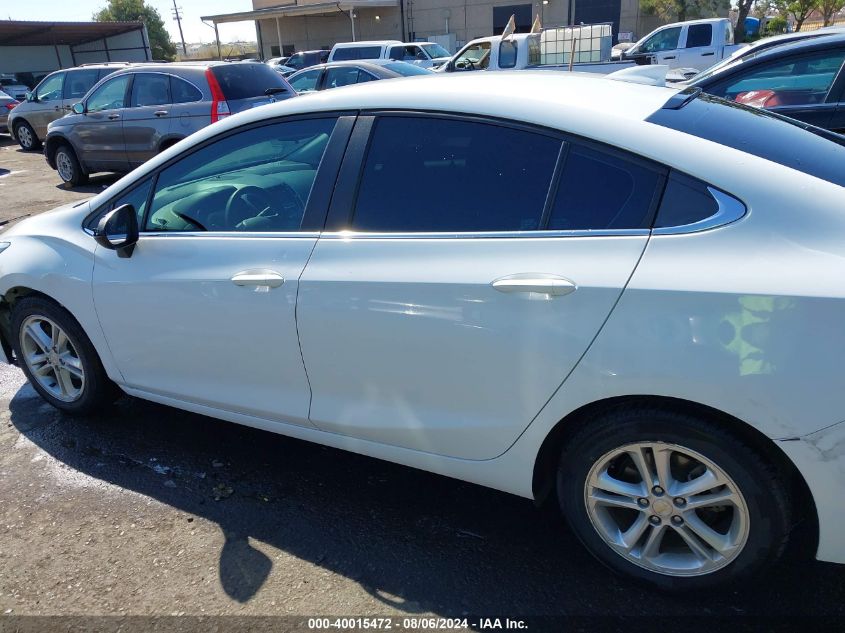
[{"x": 666, "y": 335}]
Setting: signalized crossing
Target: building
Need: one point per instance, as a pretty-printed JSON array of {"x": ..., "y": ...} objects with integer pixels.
[
  {"x": 32, "y": 49},
  {"x": 285, "y": 26}
]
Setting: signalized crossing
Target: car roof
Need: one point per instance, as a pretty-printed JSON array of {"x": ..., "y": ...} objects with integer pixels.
[
  {"x": 375, "y": 66},
  {"x": 366, "y": 43}
]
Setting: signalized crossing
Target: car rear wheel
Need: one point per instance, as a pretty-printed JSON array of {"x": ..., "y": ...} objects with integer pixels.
[
  {"x": 58, "y": 358},
  {"x": 68, "y": 167},
  {"x": 673, "y": 499},
  {"x": 26, "y": 136}
]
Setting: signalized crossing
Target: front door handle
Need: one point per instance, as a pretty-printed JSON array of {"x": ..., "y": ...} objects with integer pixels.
[
  {"x": 669, "y": 57},
  {"x": 708, "y": 54},
  {"x": 542, "y": 283},
  {"x": 160, "y": 112},
  {"x": 269, "y": 278},
  {"x": 114, "y": 117}
]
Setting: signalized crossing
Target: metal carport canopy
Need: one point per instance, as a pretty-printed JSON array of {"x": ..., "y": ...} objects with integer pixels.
[{"x": 25, "y": 33}]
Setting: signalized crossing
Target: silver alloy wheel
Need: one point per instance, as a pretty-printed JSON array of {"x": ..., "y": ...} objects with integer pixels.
[
  {"x": 64, "y": 165},
  {"x": 25, "y": 137},
  {"x": 666, "y": 508},
  {"x": 52, "y": 358}
]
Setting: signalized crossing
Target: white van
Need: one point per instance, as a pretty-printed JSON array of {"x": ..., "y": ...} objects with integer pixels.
[{"x": 425, "y": 54}]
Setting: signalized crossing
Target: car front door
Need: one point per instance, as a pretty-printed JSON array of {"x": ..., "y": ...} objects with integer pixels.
[
  {"x": 662, "y": 47},
  {"x": 47, "y": 105},
  {"x": 97, "y": 135},
  {"x": 451, "y": 295},
  {"x": 147, "y": 120},
  {"x": 204, "y": 310}
]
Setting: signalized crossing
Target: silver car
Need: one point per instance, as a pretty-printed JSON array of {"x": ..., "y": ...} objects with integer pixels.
[
  {"x": 6, "y": 105},
  {"x": 52, "y": 98},
  {"x": 142, "y": 110}
]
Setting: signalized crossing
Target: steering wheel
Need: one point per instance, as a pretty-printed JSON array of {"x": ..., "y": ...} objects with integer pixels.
[{"x": 251, "y": 201}]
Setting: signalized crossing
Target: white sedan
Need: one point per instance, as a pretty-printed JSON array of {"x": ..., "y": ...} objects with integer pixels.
[{"x": 624, "y": 299}]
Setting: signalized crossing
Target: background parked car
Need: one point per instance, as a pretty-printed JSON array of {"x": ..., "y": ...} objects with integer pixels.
[
  {"x": 305, "y": 59},
  {"x": 804, "y": 80},
  {"x": 427, "y": 54},
  {"x": 140, "y": 111},
  {"x": 12, "y": 86},
  {"x": 52, "y": 98},
  {"x": 6, "y": 105},
  {"x": 339, "y": 74}
]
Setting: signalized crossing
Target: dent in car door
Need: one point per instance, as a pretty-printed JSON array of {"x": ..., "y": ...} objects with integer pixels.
[
  {"x": 208, "y": 316},
  {"x": 418, "y": 331}
]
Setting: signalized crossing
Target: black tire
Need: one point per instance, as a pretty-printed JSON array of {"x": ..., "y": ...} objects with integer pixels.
[
  {"x": 71, "y": 171},
  {"x": 30, "y": 141},
  {"x": 764, "y": 489},
  {"x": 98, "y": 391}
]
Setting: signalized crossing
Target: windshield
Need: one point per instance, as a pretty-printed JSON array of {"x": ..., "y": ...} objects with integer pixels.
[
  {"x": 407, "y": 70},
  {"x": 435, "y": 50}
]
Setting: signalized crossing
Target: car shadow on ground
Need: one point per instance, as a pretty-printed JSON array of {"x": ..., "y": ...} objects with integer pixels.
[
  {"x": 95, "y": 184},
  {"x": 416, "y": 541}
]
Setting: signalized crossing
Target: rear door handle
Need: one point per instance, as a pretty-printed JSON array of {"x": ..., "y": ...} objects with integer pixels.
[
  {"x": 113, "y": 117},
  {"x": 269, "y": 278},
  {"x": 669, "y": 57},
  {"x": 160, "y": 112},
  {"x": 707, "y": 54},
  {"x": 542, "y": 283}
]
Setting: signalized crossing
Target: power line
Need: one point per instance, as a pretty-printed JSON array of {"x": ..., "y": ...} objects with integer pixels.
[{"x": 178, "y": 17}]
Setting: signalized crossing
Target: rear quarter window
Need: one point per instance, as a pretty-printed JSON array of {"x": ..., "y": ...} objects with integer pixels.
[
  {"x": 800, "y": 146},
  {"x": 357, "y": 52},
  {"x": 247, "y": 80}
]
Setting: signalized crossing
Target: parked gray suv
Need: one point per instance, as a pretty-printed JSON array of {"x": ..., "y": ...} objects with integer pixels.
[
  {"x": 142, "y": 110},
  {"x": 52, "y": 98}
]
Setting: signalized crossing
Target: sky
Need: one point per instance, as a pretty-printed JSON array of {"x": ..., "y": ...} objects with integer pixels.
[{"x": 192, "y": 10}]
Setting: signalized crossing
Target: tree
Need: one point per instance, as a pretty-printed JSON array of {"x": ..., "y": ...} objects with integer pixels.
[
  {"x": 136, "y": 10},
  {"x": 743, "y": 8},
  {"x": 829, "y": 8},
  {"x": 800, "y": 10},
  {"x": 684, "y": 9}
]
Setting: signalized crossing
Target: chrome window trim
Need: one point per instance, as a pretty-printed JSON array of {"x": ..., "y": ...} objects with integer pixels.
[
  {"x": 729, "y": 210},
  {"x": 232, "y": 234},
  {"x": 363, "y": 235}
]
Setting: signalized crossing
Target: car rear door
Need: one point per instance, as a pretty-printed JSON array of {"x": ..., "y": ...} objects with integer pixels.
[
  {"x": 465, "y": 268},
  {"x": 699, "y": 50},
  {"x": 204, "y": 309},
  {"x": 147, "y": 120}
]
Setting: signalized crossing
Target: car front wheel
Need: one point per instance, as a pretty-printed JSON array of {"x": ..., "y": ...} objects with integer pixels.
[
  {"x": 673, "y": 499},
  {"x": 58, "y": 358},
  {"x": 68, "y": 167},
  {"x": 26, "y": 136}
]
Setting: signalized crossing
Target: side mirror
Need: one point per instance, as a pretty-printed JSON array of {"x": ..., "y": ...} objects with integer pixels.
[
  {"x": 78, "y": 108},
  {"x": 30, "y": 96},
  {"x": 118, "y": 230}
]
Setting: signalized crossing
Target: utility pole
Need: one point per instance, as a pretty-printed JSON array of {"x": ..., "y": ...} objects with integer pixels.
[{"x": 178, "y": 19}]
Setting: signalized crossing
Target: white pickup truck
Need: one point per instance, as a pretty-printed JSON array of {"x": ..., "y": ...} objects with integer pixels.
[{"x": 696, "y": 44}]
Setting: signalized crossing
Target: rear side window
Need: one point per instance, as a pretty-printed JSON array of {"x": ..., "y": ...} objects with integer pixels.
[
  {"x": 699, "y": 35},
  {"x": 246, "y": 80},
  {"x": 345, "y": 76},
  {"x": 507, "y": 54},
  {"x": 685, "y": 201},
  {"x": 79, "y": 82},
  {"x": 436, "y": 175},
  {"x": 306, "y": 81},
  {"x": 149, "y": 89},
  {"x": 784, "y": 141},
  {"x": 357, "y": 52},
  {"x": 599, "y": 190},
  {"x": 183, "y": 92}
]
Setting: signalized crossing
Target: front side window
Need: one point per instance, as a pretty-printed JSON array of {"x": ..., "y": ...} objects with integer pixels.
[
  {"x": 254, "y": 180},
  {"x": 79, "y": 82},
  {"x": 665, "y": 40},
  {"x": 599, "y": 190},
  {"x": 51, "y": 88},
  {"x": 803, "y": 80},
  {"x": 109, "y": 96},
  {"x": 150, "y": 89},
  {"x": 307, "y": 81},
  {"x": 437, "y": 175},
  {"x": 699, "y": 35},
  {"x": 474, "y": 57},
  {"x": 507, "y": 54},
  {"x": 137, "y": 197},
  {"x": 296, "y": 61},
  {"x": 435, "y": 50}
]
